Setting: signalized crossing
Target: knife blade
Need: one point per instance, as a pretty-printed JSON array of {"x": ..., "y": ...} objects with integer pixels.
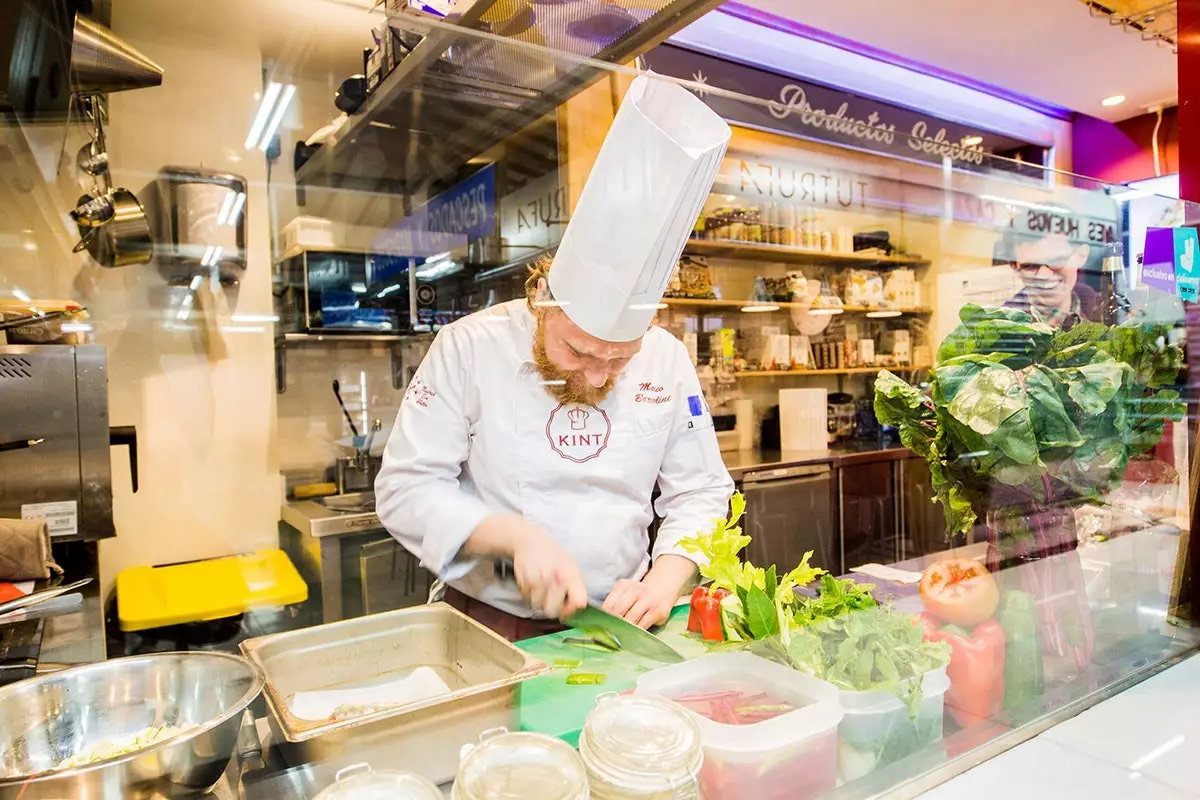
[{"x": 631, "y": 637}]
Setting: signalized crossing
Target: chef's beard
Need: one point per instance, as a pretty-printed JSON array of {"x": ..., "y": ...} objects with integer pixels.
[{"x": 563, "y": 385}]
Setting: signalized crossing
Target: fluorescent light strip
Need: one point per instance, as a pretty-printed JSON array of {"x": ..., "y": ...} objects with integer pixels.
[
  {"x": 226, "y": 207},
  {"x": 758, "y": 309},
  {"x": 288, "y": 93},
  {"x": 647, "y": 306},
  {"x": 204, "y": 261},
  {"x": 883, "y": 314},
  {"x": 270, "y": 96},
  {"x": 824, "y": 312},
  {"x": 254, "y": 318},
  {"x": 239, "y": 203}
]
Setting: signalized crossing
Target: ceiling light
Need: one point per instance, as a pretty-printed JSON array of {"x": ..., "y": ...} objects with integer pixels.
[
  {"x": 883, "y": 314},
  {"x": 254, "y": 318},
  {"x": 758, "y": 309},
  {"x": 972, "y": 141},
  {"x": 1115, "y": 100},
  {"x": 825, "y": 312},
  {"x": 647, "y": 306}
]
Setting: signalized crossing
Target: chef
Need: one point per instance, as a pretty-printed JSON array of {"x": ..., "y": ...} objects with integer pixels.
[{"x": 529, "y": 443}]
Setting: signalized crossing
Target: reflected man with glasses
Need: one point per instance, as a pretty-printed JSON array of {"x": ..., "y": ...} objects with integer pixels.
[{"x": 1052, "y": 269}]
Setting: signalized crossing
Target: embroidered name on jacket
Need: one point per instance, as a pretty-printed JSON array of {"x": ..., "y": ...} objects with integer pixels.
[{"x": 578, "y": 433}]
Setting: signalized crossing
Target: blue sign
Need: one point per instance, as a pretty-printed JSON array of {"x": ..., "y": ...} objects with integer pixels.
[{"x": 468, "y": 208}]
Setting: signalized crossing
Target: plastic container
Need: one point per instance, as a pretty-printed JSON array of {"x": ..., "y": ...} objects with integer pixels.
[
  {"x": 519, "y": 766},
  {"x": 877, "y": 728},
  {"x": 641, "y": 748},
  {"x": 360, "y": 782},
  {"x": 792, "y": 755}
]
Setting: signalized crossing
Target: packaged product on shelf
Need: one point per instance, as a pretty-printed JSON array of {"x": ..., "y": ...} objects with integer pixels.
[
  {"x": 754, "y": 227},
  {"x": 778, "y": 289},
  {"x": 900, "y": 288},
  {"x": 843, "y": 240},
  {"x": 692, "y": 279},
  {"x": 737, "y": 225},
  {"x": 866, "y": 352},
  {"x": 798, "y": 286},
  {"x": 799, "y": 349},
  {"x": 873, "y": 243},
  {"x": 721, "y": 343},
  {"x": 787, "y": 225},
  {"x": 826, "y": 242},
  {"x": 898, "y": 343},
  {"x": 864, "y": 287},
  {"x": 762, "y": 349}
]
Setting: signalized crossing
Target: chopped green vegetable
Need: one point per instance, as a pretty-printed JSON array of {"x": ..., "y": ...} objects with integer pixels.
[
  {"x": 568, "y": 663},
  {"x": 589, "y": 643},
  {"x": 585, "y": 678}
]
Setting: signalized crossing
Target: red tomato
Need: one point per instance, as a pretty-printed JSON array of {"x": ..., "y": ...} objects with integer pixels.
[{"x": 959, "y": 591}]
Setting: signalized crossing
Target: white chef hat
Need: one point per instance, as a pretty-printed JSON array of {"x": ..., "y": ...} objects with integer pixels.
[{"x": 637, "y": 209}]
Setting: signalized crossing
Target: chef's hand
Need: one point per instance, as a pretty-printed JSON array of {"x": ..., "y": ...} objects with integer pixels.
[
  {"x": 548, "y": 576},
  {"x": 545, "y": 572},
  {"x": 648, "y": 602}
]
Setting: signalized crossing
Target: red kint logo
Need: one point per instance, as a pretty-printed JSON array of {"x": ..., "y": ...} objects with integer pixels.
[{"x": 578, "y": 433}]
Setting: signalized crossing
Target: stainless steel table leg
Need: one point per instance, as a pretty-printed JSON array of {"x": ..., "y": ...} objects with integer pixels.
[{"x": 331, "y": 578}]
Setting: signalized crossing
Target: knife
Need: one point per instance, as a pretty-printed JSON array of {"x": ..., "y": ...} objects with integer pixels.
[{"x": 631, "y": 638}]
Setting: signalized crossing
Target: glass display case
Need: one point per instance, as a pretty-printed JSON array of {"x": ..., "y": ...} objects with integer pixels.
[{"x": 950, "y": 361}]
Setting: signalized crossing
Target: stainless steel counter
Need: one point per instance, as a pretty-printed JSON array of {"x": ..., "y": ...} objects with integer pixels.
[{"x": 314, "y": 519}]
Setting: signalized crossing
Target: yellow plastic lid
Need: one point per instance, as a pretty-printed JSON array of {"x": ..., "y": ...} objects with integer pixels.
[{"x": 151, "y": 597}]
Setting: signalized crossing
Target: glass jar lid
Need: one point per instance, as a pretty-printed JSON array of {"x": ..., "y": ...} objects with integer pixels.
[
  {"x": 520, "y": 766},
  {"x": 360, "y": 782},
  {"x": 642, "y": 735}
]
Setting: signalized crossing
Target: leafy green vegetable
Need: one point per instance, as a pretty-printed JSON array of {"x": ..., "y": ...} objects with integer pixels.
[
  {"x": 761, "y": 615},
  {"x": 760, "y": 604},
  {"x": 1011, "y": 401},
  {"x": 872, "y": 649},
  {"x": 834, "y": 598}
]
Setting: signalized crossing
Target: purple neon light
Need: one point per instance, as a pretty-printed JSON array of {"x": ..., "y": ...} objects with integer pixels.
[{"x": 775, "y": 22}]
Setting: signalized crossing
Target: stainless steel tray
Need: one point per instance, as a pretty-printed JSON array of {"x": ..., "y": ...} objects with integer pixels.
[{"x": 482, "y": 669}]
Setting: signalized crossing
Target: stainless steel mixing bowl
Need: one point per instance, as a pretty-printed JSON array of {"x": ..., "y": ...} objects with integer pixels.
[{"x": 47, "y": 719}]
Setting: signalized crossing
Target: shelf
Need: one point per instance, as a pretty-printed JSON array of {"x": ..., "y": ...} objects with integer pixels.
[
  {"x": 805, "y": 372},
  {"x": 750, "y": 251},
  {"x": 739, "y": 304},
  {"x": 458, "y": 93}
]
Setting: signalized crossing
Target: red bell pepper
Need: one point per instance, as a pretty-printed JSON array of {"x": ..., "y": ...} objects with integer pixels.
[
  {"x": 706, "y": 613},
  {"x": 976, "y": 669},
  {"x": 699, "y": 593}
]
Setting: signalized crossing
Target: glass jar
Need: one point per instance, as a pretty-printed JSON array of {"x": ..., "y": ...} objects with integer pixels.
[
  {"x": 360, "y": 782},
  {"x": 519, "y": 766},
  {"x": 641, "y": 747}
]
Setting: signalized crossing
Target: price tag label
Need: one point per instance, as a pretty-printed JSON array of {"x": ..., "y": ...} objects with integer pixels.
[{"x": 61, "y": 517}]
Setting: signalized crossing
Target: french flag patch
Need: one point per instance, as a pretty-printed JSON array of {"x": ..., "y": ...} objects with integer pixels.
[{"x": 699, "y": 418}]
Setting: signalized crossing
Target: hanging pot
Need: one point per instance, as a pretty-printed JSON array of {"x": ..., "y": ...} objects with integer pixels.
[{"x": 125, "y": 238}]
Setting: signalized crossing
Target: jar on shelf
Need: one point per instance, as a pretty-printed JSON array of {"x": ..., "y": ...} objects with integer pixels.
[
  {"x": 641, "y": 748},
  {"x": 360, "y": 782},
  {"x": 519, "y": 766}
]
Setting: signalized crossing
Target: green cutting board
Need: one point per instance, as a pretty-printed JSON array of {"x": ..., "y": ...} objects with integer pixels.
[{"x": 548, "y": 704}]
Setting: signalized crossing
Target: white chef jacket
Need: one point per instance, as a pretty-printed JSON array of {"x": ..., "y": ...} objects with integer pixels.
[{"x": 477, "y": 433}]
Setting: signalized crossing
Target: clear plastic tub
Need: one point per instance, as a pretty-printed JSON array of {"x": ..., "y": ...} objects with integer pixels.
[
  {"x": 877, "y": 728},
  {"x": 790, "y": 755}
]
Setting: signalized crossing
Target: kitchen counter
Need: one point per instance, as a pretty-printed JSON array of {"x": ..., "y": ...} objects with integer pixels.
[{"x": 739, "y": 462}]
